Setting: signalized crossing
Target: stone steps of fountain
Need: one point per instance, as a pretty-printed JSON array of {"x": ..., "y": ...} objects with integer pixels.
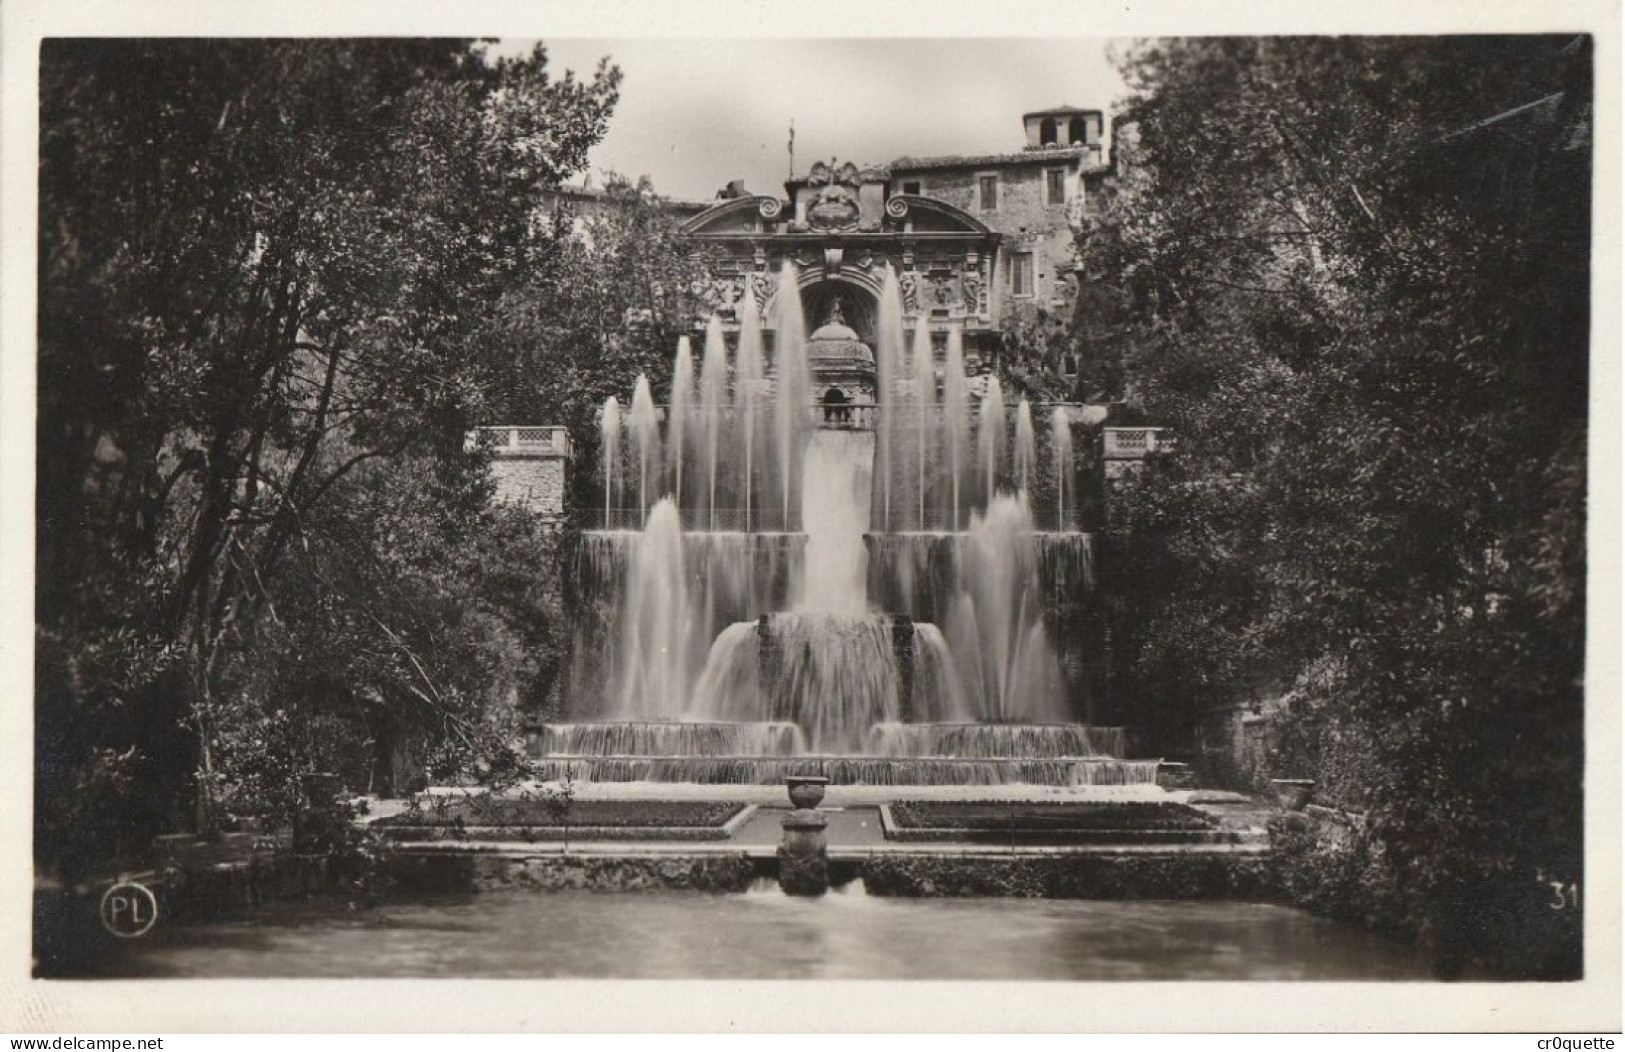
[
  {"x": 660, "y": 738},
  {"x": 729, "y": 740},
  {"x": 850, "y": 770}
]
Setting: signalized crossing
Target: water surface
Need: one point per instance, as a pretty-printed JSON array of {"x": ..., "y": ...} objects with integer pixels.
[{"x": 765, "y": 935}]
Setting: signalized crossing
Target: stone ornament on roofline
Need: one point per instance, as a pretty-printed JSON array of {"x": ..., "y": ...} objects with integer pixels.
[
  {"x": 834, "y": 206},
  {"x": 823, "y": 174}
]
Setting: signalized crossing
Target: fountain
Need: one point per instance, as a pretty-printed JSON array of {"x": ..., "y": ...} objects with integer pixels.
[{"x": 832, "y": 567}]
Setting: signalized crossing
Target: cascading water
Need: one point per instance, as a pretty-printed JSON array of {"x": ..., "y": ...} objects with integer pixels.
[
  {"x": 955, "y": 426},
  {"x": 997, "y": 619},
  {"x": 609, "y": 445},
  {"x": 656, "y": 616},
  {"x": 990, "y": 440},
  {"x": 870, "y": 597},
  {"x": 644, "y": 427},
  {"x": 924, "y": 391},
  {"x": 1026, "y": 453},
  {"x": 677, "y": 423},
  {"x": 750, "y": 396},
  {"x": 890, "y": 370},
  {"x": 714, "y": 415},
  {"x": 835, "y": 480},
  {"x": 793, "y": 397},
  {"x": 832, "y": 675},
  {"x": 1060, "y": 429}
]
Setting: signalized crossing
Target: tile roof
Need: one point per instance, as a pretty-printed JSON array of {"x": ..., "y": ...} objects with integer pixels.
[{"x": 1038, "y": 156}]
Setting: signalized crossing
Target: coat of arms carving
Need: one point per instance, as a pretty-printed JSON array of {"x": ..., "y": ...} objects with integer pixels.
[{"x": 834, "y": 205}]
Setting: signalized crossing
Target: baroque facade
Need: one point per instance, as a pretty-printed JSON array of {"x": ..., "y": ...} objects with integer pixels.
[{"x": 974, "y": 239}]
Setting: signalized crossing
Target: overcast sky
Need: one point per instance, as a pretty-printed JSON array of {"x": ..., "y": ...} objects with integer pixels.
[{"x": 695, "y": 114}]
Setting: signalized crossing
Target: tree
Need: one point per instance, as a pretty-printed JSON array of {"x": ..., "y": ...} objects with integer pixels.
[
  {"x": 1031, "y": 354},
  {"x": 1352, "y": 275},
  {"x": 258, "y": 265},
  {"x": 605, "y": 299}
]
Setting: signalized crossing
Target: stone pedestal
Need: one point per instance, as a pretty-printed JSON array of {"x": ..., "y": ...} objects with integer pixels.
[
  {"x": 804, "y": 854},
  {"x": 902, "y": 641}
]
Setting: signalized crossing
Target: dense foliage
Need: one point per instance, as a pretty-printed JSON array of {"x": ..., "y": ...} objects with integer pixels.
[
  {"x": 1352, "y": 276},
  {"x": 266, "y": 271},
  {"x": 595, "y": 309}
]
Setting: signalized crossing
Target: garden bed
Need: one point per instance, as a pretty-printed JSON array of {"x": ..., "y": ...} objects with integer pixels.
[
  {"x": 1072, "y": 822},
  {"x": 530, "y": 820}
]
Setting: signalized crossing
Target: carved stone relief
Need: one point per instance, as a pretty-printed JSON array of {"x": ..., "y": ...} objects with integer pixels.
[
  {"x": 909, "y": 282},
  {"x": 761, "y": 283},
  {"x": 723, "y": 294},
  {"x": 972, "y": 284}
]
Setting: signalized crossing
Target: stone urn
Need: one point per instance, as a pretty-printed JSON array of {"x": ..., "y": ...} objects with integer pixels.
[
  {"x": 806, "y": 790},
  {"x": 1292, "y": 793}
]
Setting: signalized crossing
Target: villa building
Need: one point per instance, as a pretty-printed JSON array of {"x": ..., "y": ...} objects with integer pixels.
[{"x": 975, "y": 239}]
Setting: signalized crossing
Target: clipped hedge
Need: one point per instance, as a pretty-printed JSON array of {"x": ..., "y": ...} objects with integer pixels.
[
  {"x": 603, "y": 814},
  {"x": 1172, "y": 875},
  {"x": 998, "y": 816},
  {"x": 492, "y": 872}
]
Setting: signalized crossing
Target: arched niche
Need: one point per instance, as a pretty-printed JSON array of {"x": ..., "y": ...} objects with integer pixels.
[
  {"x": 857, "y": 291},
  {"x": 860, "y": 305}
]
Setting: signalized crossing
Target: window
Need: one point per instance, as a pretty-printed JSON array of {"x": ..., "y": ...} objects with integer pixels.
[
  {"x": 988, "y": 191},
  {"x": 1046, "y": 132},
  {"x": 911, "y": 186},
  {"x": 1055, "y": 179},
  {"x": 1076, "y": 132},
  {"x": 836, "y": 408},
  {"x": 1021, "y": 274}
]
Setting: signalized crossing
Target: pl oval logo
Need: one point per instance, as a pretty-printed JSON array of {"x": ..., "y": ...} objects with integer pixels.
[{"x": 129, "y": 910}]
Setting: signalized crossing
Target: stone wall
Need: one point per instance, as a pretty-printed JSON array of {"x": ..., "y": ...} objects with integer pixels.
[
  {"x": 533, "y": 483},
  {"x": 1027, "y": 220},
  {"x": 528, "y": 465},
  {"x": 1233, "y": 747}
]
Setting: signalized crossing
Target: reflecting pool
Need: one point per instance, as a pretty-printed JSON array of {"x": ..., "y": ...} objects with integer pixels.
[{"x": 764, "y": 935}]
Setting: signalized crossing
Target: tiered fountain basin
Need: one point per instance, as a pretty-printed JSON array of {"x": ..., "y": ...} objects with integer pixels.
[{"x": 765, "y": 753}]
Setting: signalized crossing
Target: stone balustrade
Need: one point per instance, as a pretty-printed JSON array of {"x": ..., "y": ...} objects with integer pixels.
[
  {"x": 1132, "y": 443},
  {"x": 521, "y": 440}
]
